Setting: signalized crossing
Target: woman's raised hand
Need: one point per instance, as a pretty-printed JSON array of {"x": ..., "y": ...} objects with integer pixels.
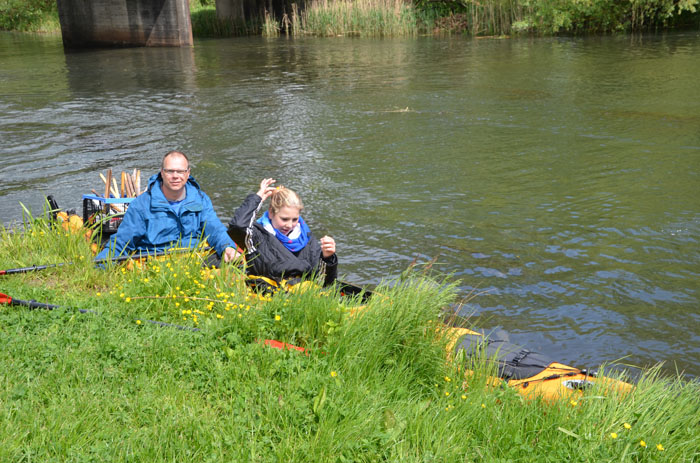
[
  {"x": 327, "y": 246},
  {"x": 266, "y": 188}
]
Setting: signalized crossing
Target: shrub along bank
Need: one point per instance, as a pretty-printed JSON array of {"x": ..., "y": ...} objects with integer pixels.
[
  {"x": 373, "y": 386},
  {"x": 547, "y": 17},
  {"x": 402, "y": 18},
  {"x": 29, "y": 16}
]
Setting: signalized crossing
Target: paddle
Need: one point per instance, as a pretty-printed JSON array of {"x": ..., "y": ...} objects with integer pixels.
[
  {"x": 33, "y": 268},
  {"x": 5, "y": 299},
  {"x": 145, "y": 255}
]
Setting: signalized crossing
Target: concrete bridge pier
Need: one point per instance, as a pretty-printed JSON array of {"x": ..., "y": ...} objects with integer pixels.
[{"x": 125, "y": 23}]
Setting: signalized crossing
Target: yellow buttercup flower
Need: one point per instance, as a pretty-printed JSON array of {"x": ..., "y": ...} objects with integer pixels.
[
  {"x": 627, "y": 426},
  {"x": 642, "y": 443},
  {"x": 613, "y": 435},
  {"x": 334, "y": 374},
  {"x": 138, "y": 322},
  {"x": 128, "y": 299},
  {"x": 446, "y": 393},
  {"x": 660, "y": 447},
  {"x": 447, "y": 378},
  {"x": 278, "y": 318},
  {"x": 483, "y": 405},
  {"x": 464, "y": 396}
]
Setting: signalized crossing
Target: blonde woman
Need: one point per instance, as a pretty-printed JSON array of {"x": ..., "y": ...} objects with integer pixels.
[{"x": 279, "y": 245}]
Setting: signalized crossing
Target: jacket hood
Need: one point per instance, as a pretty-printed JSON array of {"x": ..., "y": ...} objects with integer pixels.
[{"x": 159, "y": 178}]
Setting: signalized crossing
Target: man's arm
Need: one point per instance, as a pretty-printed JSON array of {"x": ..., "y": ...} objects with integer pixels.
[{"x": 129, "y": 232}]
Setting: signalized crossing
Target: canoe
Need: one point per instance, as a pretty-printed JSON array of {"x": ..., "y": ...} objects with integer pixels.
[{"x": 530, "y": 373}]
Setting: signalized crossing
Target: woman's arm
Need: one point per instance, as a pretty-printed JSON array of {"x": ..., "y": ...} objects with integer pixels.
[
  {"x": 331, "y": 269},
  {"x": 329, "y": 259},
  {"x": 243, "y": 218}
]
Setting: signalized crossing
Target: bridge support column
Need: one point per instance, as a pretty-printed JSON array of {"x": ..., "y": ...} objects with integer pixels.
[{"x": 128, "y": 23}]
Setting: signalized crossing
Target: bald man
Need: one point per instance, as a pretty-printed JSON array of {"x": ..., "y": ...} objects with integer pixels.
[{"x": 173, "y": 211}]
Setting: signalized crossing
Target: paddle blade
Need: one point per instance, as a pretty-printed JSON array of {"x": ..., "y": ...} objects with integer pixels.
[{"x": 5, "y": 299}]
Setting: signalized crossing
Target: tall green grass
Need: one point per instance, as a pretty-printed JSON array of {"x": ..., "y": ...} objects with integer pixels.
[
  {"x": 359, "y": 17},
  {"x": 374, "y": 384},
  {"x": 362, "y": 18}
]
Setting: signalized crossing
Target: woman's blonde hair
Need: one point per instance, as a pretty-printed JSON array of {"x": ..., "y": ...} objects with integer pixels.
[{"x": 284, "y": 197}]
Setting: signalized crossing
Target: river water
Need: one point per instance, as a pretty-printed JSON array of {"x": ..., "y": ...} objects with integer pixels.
[{"x": 557, "y": 180}]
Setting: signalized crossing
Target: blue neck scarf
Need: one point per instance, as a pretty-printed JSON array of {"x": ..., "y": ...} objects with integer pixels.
[{"x": 293, "y": 244}]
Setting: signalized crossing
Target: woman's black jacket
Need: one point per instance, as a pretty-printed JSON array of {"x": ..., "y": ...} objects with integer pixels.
[{"x": 267, "y": 257}]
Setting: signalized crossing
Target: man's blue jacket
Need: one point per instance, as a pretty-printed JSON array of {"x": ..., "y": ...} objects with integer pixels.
[{"x": 150, "y": 223}]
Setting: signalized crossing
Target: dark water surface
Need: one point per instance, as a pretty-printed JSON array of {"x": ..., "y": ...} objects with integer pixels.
[{"x": 560, "y": 177}]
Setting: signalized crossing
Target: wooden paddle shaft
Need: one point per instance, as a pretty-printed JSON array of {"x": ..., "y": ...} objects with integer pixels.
[
  {"x": 130, "y": 186},
  {"x": 108, "y": 184}
]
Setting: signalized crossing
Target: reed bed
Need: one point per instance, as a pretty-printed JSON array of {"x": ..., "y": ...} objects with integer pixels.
[
  {"x": 373, "y": 384},
  {"x": 362, "y": 18}
]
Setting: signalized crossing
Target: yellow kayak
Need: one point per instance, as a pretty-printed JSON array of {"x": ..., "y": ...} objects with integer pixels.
[{"x": 530, "y": 373}]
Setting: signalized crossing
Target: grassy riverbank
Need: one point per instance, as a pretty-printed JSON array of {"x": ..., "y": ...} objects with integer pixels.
[
  {"x": 110, "y": 386},
  {"x": 406, "y": 18}
]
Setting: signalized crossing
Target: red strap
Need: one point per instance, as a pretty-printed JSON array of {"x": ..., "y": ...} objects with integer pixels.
[
  {"x": 5, "y": 299},
  {"x": 282, "y": 345}
]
